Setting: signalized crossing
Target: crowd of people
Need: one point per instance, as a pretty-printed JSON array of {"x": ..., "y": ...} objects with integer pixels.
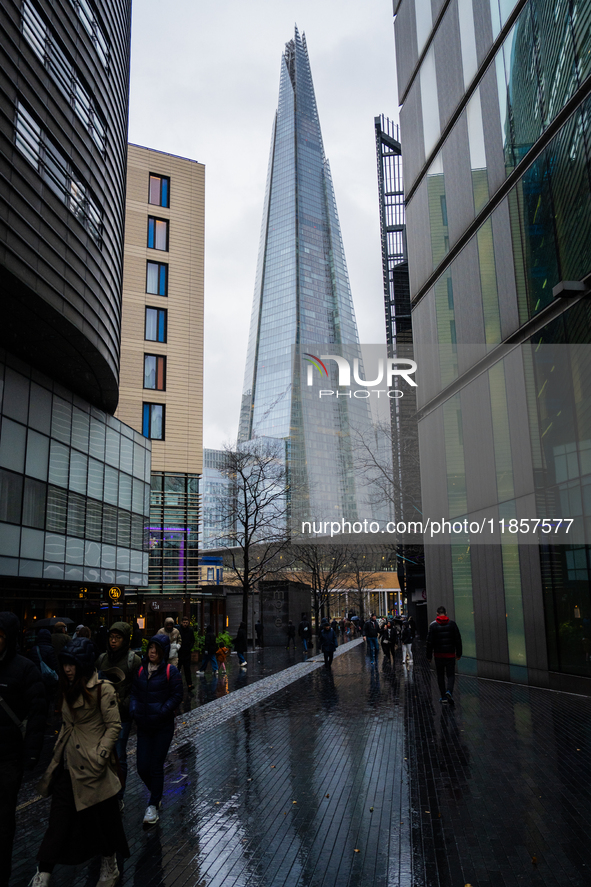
[{"x": 99, "y": 693}]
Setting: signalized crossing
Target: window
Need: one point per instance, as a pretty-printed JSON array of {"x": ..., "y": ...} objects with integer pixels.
[
  {"x": 156, "y": 324},
  {"x": 32, "y": 141},
  {"x": 155, "y": 372},
  {"x": 153, "y": 421},
  {"x": 159, "y": 190},
  {"x": 157, "y": 234},
  {"x": 63, "y": 72},
  {"x": 91, "y": 24},
  {"x": 157, "y": 279}
]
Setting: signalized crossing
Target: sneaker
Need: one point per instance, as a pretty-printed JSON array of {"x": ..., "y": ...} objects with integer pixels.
[
  {"x": 243, "y": 665},
  {"x": 109, "y": 872},
  {"x": 151, "y": 816},
  {"x": 444, "y": 700},
  {"x": 450, "y": 698},
  {"x": 199, "y": 672},
  {"x": 40, "y": 879}
]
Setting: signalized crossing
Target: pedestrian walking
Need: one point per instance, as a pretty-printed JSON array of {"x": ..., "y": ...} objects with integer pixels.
[
  {"x": 305, "y": 632},
  {"x": 241, "y": 644},
  {"x": 59, "y": 638},
  {"x": 187, "y": 644},
  {"x": 291, "y": 634},
  {"x": 388, "y": 640},
  {"x": 156, "y": 693},
  {"x": 119, "y": 664},
  {"x": 407, "y": 634},
  {"x": 22, "y": 698},
  {"x": 328, "y": 642},
  {"x": 42, "y": 651},
  {"x": 221, "y": 654},
  {"x": 444, "y": 641},
  {"x": 258, "y": 627},
  {"x": 209, "y": 651},
  {"x": 84, "y": 819},
  {"x": 370, "y": 635},
  {"x": 174, "y": 635}
]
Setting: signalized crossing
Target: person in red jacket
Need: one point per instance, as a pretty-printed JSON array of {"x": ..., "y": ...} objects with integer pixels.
[{"x": 444, "y": 641}]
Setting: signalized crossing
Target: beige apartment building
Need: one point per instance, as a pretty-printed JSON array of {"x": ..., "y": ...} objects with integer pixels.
[{"x": 161, "y": 383}]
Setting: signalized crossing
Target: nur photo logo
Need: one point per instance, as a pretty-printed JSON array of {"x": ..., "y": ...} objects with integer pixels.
[{"x": 389, "y": 370}]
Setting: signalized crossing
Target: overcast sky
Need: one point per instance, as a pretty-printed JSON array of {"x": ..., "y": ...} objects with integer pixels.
[{"x": 204, "y": 85}]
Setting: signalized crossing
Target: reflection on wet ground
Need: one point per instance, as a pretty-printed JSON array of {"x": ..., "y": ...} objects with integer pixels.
[{"x": 358, "y": 776}]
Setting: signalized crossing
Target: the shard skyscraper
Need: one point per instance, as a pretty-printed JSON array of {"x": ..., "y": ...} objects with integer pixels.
[{"x": 302, "y": 298}]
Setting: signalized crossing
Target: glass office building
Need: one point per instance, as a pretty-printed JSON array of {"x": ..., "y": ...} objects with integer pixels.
[
  {"x": 302, "y": 298},
  {"x": 497, "y": 171}
]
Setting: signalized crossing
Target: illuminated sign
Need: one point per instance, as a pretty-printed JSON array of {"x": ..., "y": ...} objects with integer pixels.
[{"x": 115, "y": 593}]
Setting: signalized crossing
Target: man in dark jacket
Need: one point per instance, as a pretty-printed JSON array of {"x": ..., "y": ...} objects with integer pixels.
[
  {"x": 305, "y": 632},
  {"x": 22, "y": 698},
  {"x": 328, "y": 642},
  {"x": 444, "y": 641},
  {"x": 291, "y": 634},
  {"x": 241, "y": 644},
  {"x": 120, "y": 660},
  {"x": 187, "y": 644},
  {"x": 209, "y": 650},
  {"x": 370, "y": 635},
  {"x": 59, "y": 638}
]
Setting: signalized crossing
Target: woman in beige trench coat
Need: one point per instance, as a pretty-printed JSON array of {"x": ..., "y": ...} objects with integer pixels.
[{"x": 82, "y": 780}]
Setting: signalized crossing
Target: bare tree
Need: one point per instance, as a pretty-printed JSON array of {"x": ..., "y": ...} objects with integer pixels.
[
  {"x": 254, "y": 513},
  {"x": 363, "y": 576},
  {"x": 323, "y": 567}
]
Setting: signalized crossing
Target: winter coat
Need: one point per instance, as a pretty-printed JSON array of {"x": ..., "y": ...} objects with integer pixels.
[
  {"x": 187, "y": 642},
  {"x": 44, "y": 647},
  {"x": 88, "y": 735},
  {"x": 211, "y": 644},
  {"x": 291, "y": 631},
  {"x": 125, "y": 660},
  {"x": 305, "y": 630},
  {"x": 174, "y": 637},
  {"x": 240, "y": 642},
  {"x": 370, "y": 629},
  {"x": 389, "y": 636},
  {"x": 59, "y": 640},
  {"x": 155, "y": 699},
  {"x": 407, "y": 633},
  {"x": 444, "y": 639},
  {"x": 22, "y": 689},
  {"x": 327, "y": 638}
]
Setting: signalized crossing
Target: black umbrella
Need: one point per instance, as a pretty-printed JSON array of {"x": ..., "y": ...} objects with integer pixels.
[{"x": 51, "y": 620}]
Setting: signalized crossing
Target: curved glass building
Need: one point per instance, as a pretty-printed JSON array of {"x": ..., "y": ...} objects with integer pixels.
[
  {"x": 302, "y": 302},
  {"x": 497, "y": 171}
]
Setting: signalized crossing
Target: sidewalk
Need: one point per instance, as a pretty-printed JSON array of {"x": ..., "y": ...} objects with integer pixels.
[{"x": 359, "y": 777}]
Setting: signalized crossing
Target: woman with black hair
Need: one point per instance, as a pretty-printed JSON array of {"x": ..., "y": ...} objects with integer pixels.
[
  {"x": 84, "y": 820},
  {"x": 156, "y": 693}
]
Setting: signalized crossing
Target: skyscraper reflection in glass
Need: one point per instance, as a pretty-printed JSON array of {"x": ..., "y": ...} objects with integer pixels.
[{"x": 302, "y": 298}]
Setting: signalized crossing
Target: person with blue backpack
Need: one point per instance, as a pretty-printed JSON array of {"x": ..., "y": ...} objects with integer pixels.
[{"x": 156, "y": 693}]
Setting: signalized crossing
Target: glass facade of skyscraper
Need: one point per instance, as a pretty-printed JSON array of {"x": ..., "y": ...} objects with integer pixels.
[
  {"x": 498, "y": 187},
  {"x": 302, "y": 297}
]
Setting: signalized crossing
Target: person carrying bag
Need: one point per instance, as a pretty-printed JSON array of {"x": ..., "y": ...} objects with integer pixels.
[{"x": 84, "y": 820}]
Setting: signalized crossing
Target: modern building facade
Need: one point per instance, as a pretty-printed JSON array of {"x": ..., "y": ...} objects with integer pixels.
[
  {"x": 302, "y": 302},
  {"x": 161, "y": 393},
  {"x": 404, "y": 436},
  {"x": 73, "y": 479},
  {"x": 497, "y": 171}
]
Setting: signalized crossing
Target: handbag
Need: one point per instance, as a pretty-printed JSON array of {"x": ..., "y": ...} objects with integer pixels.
[{"x": 47, "y": 673}]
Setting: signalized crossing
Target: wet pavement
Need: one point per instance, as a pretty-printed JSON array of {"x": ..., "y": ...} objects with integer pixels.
[{"x": 357, "y": 776}]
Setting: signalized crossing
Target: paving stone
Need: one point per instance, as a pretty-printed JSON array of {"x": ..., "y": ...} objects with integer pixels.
[{"x": 491, "y": 793}]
